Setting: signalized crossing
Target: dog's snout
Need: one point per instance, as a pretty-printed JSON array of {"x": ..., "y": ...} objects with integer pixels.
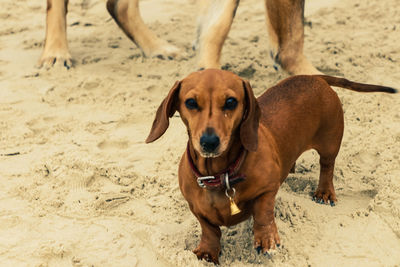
[{"x": 209, "y": 141}]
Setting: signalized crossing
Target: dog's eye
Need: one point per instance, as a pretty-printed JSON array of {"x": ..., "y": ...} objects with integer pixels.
[
  {"x": 230, "y": 103},
  {"x": 191, "y": 103}
]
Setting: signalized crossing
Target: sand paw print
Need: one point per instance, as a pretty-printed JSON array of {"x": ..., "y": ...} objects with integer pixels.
[{"x": 113, "y": 144}]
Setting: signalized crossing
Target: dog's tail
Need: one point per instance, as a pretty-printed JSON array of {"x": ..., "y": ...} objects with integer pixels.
[{"x": 359, "y": 87}]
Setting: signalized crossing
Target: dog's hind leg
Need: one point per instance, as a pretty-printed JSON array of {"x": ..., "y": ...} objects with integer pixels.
[
  {"x": 325, "y": 192},
  {"x": 327, "y": 143},
  {"x": 127, "y": 15},
  {"x": 214, "y": 22},
  {"x": 56, "y": 47},
  {"x": 286, "y": 35}
]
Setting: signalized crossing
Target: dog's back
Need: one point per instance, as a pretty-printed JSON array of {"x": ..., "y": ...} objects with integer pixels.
[
  {"x": 305, "y": 108},
  {"x": 296, "y": 109}
]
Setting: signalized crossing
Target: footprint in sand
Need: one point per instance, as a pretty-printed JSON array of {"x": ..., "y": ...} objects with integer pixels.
[{"x": 113, "y": 144}]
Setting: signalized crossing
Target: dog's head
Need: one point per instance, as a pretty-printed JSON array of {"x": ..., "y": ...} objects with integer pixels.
[{"x": 215, "y": 105}]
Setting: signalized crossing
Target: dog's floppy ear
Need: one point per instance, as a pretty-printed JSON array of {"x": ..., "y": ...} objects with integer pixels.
[
  {"x": 250, "y": 121},
  {"x": 165, "y": 110}
]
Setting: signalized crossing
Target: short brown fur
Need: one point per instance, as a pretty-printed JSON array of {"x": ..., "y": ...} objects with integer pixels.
[{"x": 299, "y": 113}]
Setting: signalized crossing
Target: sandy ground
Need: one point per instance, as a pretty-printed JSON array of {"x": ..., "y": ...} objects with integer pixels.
[{"x": 78, "y": 186}]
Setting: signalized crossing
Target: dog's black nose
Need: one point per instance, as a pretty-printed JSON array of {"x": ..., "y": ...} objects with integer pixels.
[{"x": 209, "y": 141}]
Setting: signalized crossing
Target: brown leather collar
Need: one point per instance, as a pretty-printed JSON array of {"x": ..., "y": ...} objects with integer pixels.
[{"x": 221, "y": 180}]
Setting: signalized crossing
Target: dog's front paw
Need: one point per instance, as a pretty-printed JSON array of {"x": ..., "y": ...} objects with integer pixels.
[
  {"x": 164, "y": 50},
  {"x": 53, "y": 57},
  {"x": 266, "y": 237},
  {"x": 208, "y": 253}
]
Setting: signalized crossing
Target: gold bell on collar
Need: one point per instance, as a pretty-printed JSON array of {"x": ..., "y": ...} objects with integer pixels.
[{"x": 234, "y": 208}]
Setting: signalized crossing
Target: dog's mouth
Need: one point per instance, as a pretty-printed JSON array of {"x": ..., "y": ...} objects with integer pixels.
[
  {"x": 209, "y": 154},
  {"x": 206, "y": 154}
]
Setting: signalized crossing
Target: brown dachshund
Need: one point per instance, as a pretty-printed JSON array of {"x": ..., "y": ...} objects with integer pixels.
[{"x": 241, "y": 149}]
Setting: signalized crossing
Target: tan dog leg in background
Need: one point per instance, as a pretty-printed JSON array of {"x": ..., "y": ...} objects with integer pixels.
[
  {"x": 127, "y": 15},
  {"x": 286, "y": 35},
  {"x": 56, "y": 47},
  {"x": 214, "y": 22},
  {"x": 284, "y": 24}
]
